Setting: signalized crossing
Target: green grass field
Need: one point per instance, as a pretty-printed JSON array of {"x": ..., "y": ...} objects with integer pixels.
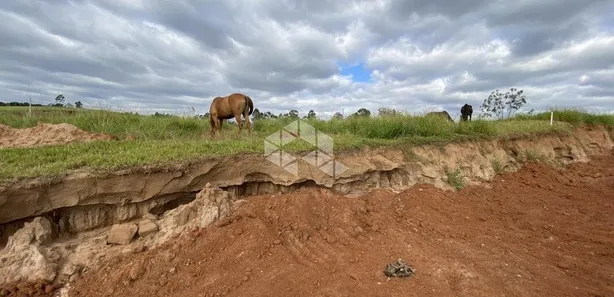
[{"x": 172, "y": 141}]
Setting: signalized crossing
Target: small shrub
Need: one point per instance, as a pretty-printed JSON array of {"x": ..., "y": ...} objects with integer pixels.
[
  {"x": 455, "y": 178},
  {"x": 533, "y": 156},
  {"x": 496, "y": 166}
]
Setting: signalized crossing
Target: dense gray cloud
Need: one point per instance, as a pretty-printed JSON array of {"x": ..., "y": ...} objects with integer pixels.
[{"x": 169, "y": 56}]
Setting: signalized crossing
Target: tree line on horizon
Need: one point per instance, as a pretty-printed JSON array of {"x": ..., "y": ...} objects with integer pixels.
[
  {"x": 60, "y": 101},
  {"x": 294, "y": 114},
  {"x": 497, "y": 104}
]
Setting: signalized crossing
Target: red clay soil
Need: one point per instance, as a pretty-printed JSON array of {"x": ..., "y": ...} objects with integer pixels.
[
  {"x": 537, "y": 232},
  {"x": 46, "y": 134}
]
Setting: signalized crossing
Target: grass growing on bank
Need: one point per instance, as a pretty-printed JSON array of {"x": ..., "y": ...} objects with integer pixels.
[
  {"x": 102, "y": 121},
  {"x": 170, "y": 140},
  {"x": 572, "y": 116}
]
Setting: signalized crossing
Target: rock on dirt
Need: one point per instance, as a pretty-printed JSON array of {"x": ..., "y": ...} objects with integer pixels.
[
  {"x": 398, "y": 269},
  {"x": 137, "y": 270},
  {"x": 70, "y": 271},
  {"x": 47, "y": 134},
  {"x": 210, "y": 204},
  {"x": 147, "y": 227},
  {"x": 23, "y": 259},
  {"x": 122, "y": 233}
]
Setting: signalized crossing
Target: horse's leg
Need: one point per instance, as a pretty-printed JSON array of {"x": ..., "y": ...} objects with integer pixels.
[
  {"x": 239, "y": 123},
  {"x": 212, "y": 123},
  {"x": 218, "y": 127},
  {"x": 248, "y": 122}
]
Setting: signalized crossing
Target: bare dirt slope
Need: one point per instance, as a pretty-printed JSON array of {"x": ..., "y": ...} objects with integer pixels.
[
  {"x": 46, "y": 134},
  {"x": 537, "y": 232}
]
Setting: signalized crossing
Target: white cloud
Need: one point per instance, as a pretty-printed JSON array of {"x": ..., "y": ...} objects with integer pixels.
[{"x": 420, "y": 55}]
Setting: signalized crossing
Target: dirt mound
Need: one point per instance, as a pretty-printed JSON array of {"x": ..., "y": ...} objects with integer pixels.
[
  {"x": 536, "y": 232},
  {"x": 46, "y": 134}
]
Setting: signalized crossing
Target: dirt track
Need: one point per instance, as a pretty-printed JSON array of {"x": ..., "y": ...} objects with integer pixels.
[{"x": 537, "y": 232}]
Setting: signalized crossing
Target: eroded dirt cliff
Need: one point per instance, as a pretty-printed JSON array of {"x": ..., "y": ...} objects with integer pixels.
[
  {"x": 91, "y": 217},
  {"x": 81, "y": 201},
  {"x": 541, "y": 231}
]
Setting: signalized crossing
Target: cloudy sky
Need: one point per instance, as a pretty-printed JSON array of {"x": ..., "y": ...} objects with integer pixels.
[{"x": 325, "y": 55}]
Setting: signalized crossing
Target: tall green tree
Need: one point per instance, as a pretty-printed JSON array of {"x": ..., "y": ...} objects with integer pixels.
[
  {"x": 502, "y": 105},
  {"x": 363, "y": 112},
  {"x": 59, "y": 99},
  {"x": 311, "y": 114},
  {"x": 293, "y": 113}
]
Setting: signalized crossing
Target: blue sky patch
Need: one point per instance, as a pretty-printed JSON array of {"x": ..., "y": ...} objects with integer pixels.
[
  {"x": 607, "y": 23},
  {"x": 358, "y": 71}
]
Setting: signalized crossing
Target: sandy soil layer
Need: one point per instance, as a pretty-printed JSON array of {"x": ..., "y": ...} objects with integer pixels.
[
  {"x": 536, "y": 232},
  {"x": 46, "y": 134}
]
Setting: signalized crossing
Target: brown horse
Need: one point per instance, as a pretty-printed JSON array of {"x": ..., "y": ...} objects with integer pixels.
[
  {"x": 231, "y": 106},
  {"x": 443, "y": 114}
]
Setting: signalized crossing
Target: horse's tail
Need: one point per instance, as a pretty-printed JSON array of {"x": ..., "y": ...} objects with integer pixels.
[{"x": 249, "y": 103}]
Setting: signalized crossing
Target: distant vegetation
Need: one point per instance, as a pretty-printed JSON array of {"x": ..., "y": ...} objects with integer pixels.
[
  {"x": 18, "y": 104},
  {"x": 60, "y": 101},
  {"x": 163, "y": 139}
]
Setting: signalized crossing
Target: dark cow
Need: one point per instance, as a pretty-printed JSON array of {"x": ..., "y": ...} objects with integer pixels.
[{"x": 466, "y": 112}]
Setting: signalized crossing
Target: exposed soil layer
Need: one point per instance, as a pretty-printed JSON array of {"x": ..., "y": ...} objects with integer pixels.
[
  {"x": 537, "y": 232},
  {"x": 85, "y": 201},
  {"x": 46, "y": 134}
]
